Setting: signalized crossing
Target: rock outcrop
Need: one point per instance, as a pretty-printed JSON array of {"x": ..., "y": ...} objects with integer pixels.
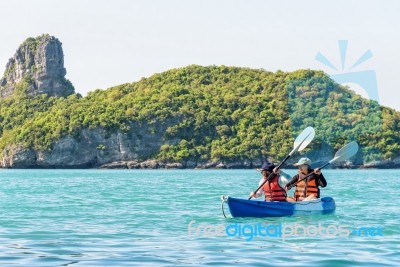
[
  {"x": 37, "y": 68},
  {"x": 92, "y": 148},
  {"x": 383, "y": 164},
  {"x": 95, "y": 148}
]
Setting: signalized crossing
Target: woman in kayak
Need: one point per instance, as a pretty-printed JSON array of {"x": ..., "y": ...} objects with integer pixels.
[
  {"x": 272, "y": 190},
  {"x": 306, "y": 188}
]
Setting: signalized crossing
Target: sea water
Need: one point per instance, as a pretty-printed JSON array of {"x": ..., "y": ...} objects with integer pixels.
[{"x": 142, "y": 217}]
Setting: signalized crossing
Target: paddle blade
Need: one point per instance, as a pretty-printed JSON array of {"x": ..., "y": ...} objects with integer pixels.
[
  {"x": 345, "y": 152},
  {"x": 285, "y": 177},
  {"x": 303, "y": 140}
]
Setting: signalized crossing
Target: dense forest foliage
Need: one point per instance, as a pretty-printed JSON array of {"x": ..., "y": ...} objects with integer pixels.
[{"x": 211, "y": 113}]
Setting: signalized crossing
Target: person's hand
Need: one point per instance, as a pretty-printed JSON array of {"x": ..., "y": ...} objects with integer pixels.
[
  {"x": 286, "y": 189},
  {"x": 317, "y": 171},
  {"x": 276, "y": 170},
  {"x": 253, "y": 195}
]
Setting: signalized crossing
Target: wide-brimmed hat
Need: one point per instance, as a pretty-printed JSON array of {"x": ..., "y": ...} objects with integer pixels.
[
  {"x": 303, "y": 161},
  {"x": 268, "y": 166}
]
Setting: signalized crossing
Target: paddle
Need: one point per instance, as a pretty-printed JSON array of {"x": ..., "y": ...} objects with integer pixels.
[
  {"x": 301, "y": 142},
  {"x": 342, "y": 154}
]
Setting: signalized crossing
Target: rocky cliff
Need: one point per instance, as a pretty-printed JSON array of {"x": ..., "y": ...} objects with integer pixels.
[
  {"x": 37, "y": 68},
  {"x": 91, "y": 148},
  {"x": 94, "y": 148}
]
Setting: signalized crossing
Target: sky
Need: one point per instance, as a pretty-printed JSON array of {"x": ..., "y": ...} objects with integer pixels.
[{"x": 107, "y": 43}]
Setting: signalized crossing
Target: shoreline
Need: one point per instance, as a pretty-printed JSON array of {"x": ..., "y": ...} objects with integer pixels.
[{"x": 191, "y": 165}]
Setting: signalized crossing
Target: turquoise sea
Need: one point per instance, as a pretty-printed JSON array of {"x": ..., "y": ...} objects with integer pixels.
[{"x": 141, "y": 218}]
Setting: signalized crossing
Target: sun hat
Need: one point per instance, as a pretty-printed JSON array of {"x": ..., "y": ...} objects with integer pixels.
[
  {"x": 269, "y": 166},
  {"x": 303, "y": 161}
]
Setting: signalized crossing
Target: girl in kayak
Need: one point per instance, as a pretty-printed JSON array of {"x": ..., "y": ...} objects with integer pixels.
[
  {"x": 306, "y": 189},
  {"x": 272, "y": 190}
]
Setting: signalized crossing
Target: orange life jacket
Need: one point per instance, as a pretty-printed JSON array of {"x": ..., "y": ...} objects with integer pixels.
[
  {"x": 273, "y": 191},
  {"x": 306, "y": 188}
]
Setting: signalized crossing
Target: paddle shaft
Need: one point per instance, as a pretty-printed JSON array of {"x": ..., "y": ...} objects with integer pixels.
[
  {"x": 309, "y": 175},
  {"x": 271, "y": 175}
]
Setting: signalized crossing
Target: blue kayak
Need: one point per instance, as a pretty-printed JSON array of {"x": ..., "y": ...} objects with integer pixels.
[{"x": 251, "y": 208}]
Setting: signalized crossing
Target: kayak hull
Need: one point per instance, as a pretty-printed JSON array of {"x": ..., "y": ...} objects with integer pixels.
[{"x": 251, "y": 208}]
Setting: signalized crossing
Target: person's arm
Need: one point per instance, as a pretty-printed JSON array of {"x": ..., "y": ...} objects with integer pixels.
[
  {"x": 259, "y": 193},
  {"x": 292, "y": 182},
  {"x": 321, "y": 180}
]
